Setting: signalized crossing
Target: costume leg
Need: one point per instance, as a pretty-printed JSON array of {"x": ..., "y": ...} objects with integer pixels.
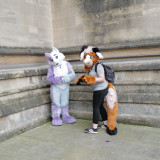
[
  {"x": 56, "y": 121},
  {"x": 55, "y": 109},
  {"x": 66, "y": 118}
]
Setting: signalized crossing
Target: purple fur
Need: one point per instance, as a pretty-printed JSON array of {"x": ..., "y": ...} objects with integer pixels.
[
  {"x": 50, "y": 77},
  {"x": 53, "y": 80},
  {"x": 70, "y": 70},
  {"x": 47, "y": 55},
  {"x": 66, "y": 118}
]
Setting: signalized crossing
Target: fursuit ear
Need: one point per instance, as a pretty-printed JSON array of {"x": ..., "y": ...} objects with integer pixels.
[
  {"x": 96, "y": 50},
  {"x": 81, "y": 56},
  {"x": 82, "y": 52},
  {"x": 99, "y": 55},
  {"x": 54, "y": 49},
  {"x": 83, "y": 48},
  {"x": 47, "y": 55}
]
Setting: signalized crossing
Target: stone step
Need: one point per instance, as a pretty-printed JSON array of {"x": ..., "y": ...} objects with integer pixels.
[
  {"x": 125, "y": 88},
  {"x": 23, "y": 121},
  {"x": 133, "y": 77},
  {"x": 144, "y": 98},
  {"x": 23, "y": 95},
  {"x": 23, "y": 101},
  {"x": 130, "y": 113},
  {"x": 134, "y": 65}
]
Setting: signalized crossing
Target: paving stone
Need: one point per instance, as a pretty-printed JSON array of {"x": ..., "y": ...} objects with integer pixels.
[{"x": 69, "y": 142}]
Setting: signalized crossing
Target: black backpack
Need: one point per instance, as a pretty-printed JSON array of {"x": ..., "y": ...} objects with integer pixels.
[{"x": 109, "y": 73}]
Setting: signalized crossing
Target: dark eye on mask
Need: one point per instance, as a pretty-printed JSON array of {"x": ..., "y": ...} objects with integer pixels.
[
  {"x": 91, "y": 57},
  {"x": 56, "y": 57}
]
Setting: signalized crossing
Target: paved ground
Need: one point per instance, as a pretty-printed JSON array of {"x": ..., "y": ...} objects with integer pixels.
[{"x": 69, "y": 142}]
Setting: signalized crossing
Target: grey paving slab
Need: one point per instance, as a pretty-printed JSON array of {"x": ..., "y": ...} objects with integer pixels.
[{"x": 69, "y": 142}]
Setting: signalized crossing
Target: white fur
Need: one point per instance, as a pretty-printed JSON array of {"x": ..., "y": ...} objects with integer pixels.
[
  {"x": 87, "y": 59},
  {"x": 99, "y": 55},
  {"x": 111, "y": 98},
  {"x": 57, "y": 57},
  {"x": 61, "y": 70},
  {"x": 60, "y": 65},
  {"x": 82, "y": 56},
  {"x": 88, "y": 49}
]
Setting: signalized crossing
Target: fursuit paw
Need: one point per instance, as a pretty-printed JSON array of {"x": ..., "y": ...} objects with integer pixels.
[
  {"x": 80, "y": 80},
  {"x": 56, "y": 121},
  {"x": 90, "y": 79},
  {"x": 68, "y": 119}
]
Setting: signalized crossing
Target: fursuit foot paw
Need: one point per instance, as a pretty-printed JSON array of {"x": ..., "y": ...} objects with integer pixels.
[
  {"x": 68, "y": 119},
  {"x": 56, "y": 121}
]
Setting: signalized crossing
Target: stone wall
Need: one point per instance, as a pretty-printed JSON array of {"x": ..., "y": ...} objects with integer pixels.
[
  {"x": 138, "y": 88},
  {"x": 127, "y": 32},
  {"x": 108, "y": 23},
  {"x": 25, "y": 96},
  {"x": 25, "y": 24}
]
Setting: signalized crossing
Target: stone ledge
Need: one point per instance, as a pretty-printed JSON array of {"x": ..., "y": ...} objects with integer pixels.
[
  {"x": 138, "y": 65},
  {"x": 140, "y": 114},
  {"x": 125, "y": 88},
  {"x": 23, "y": 103},
  {"x": 10, "y": 73},
  {"x": 23, "y": 95},
  {"x": 24, "y": 51},
  {"x": 41, "y": 69},
  {"x": 23, "y": 121},
  {"x": 28, "y": 88},
  {"x": 124, "y": 45}
]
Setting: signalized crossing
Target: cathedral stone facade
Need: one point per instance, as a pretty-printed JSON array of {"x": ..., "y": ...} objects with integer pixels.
[{"x": 127, "y": 33}]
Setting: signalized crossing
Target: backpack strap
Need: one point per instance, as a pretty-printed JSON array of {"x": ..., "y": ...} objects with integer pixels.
[{"x": 96, "y": 64}]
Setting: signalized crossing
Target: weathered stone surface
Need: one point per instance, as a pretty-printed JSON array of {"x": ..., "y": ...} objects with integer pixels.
[
  {"x": 20, "y": 84},
  {"x": 23, "y": 24},
  {"x": 23, "y": 121},
  {"x": 24, "y": 72},
  {"x": 69, "y": 142},
  {"x": 24, "y": 89},
  {"x": 140, "y": 114},
  {"x": 26, "y": 101},
  {"x": 112, "y": 23}
]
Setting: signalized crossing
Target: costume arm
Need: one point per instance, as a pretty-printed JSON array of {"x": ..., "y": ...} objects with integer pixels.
[
  {"x": 70, "y": 76},
  {"x": 51, "y": 79}
]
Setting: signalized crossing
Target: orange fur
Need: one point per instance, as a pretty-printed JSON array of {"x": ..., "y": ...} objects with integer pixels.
[
  {"x": 80, "y": 78},
  {"x": 112, "y": 116},
  {"x": 90, "y": 79},
  {"x": 94, "y": 60},
  {"x": 112, "y": 113}
]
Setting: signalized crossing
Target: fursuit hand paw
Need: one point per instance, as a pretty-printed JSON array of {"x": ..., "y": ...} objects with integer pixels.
[
  {"x": 66, "y": 79},
  {"x": 90, "y": 79},
  {"x": 80, "y": 80}
]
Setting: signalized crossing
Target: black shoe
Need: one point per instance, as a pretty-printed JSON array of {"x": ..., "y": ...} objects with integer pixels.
[
  {"x": 102, "y": 126},
  {"x": 91, "y": 130}
]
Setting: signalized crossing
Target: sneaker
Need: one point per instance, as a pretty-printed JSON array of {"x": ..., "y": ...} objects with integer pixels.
[
  {"x": 91, "y": 130},
  {"x": 102, "y": 126}
]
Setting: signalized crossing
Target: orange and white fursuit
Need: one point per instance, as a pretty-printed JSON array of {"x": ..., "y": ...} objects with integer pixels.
[{"x": 89, "y": 56}]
